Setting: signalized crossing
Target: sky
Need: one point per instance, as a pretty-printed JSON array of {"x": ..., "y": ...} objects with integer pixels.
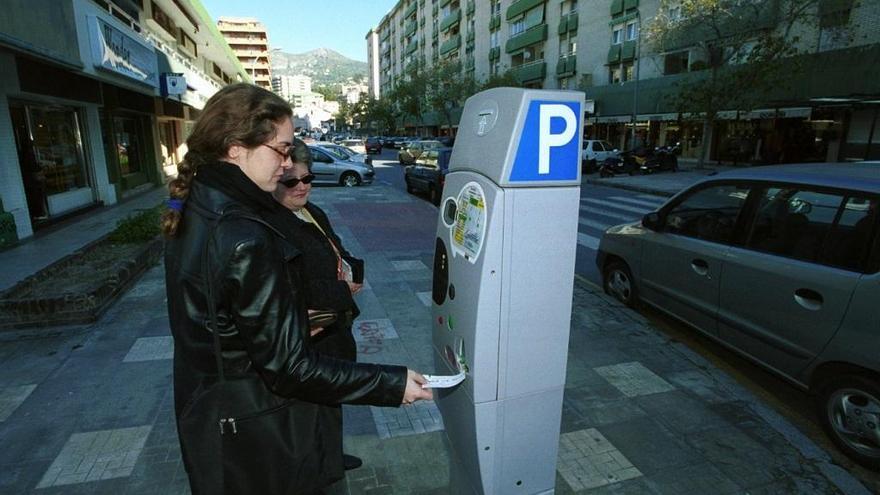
[{"x": 298, "y": 26}]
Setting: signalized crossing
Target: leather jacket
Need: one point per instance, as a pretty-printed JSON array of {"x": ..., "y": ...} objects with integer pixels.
[{"x": 260, "y": 309}]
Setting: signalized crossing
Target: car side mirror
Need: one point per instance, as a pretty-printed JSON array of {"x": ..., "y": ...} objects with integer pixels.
[{"x": 651, "y": 221}]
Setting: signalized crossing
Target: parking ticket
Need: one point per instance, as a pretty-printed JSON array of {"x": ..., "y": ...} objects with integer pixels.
[{"x": 443, "y": 381}]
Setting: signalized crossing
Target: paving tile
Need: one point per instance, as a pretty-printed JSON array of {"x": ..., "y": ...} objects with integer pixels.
[
  {"x": 96, "y": 455},
  {"x": 588, "y": 460},
  {"x": 150, "y": 349},
  {"x": 633, "y": 379},
  {"x": 12, "y": 397},
  {"x": 373, "y": 331},
  {"x": 421, "y": 417},
  {"x": 425, "y": 297},
  {"x": 408, "y": 265}
]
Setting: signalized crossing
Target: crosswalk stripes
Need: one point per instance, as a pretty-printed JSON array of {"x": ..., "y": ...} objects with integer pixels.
[
  {"x": 602, "y": 202},
  {"x": 637, "y": 202},
  {"x": 594, "y": 212}
]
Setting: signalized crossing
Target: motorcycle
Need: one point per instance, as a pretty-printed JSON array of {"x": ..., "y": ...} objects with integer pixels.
[
  {"x": 626, "y": 164},
  {"x": 662, "y": 158}
]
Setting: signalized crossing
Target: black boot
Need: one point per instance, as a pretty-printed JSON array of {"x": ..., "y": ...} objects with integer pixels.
[{"x": 350, "y": 462}]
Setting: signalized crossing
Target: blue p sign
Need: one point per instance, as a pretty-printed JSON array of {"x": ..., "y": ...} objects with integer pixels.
[{"x": 548, "y": 148}]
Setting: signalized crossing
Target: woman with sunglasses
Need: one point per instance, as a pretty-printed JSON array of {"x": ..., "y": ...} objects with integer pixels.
[
  {"x": 249, "y": 386},
  {"x": 332, "y": 276}
]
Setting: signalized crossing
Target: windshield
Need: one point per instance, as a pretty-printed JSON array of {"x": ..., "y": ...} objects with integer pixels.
[{"x": 337, "y": 152}]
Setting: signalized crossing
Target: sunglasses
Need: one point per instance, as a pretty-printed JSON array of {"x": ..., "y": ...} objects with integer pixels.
[{"x": 294, "y": 181}]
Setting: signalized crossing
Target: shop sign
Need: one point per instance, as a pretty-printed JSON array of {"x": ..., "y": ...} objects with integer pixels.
[
  {"x": 662, "y": 117},
  {"x": 173, "y": 83},
  {"x": 116, "y": 51},
  {"x": 780, "y": 113},
  {"x": 615, "y": 119}
]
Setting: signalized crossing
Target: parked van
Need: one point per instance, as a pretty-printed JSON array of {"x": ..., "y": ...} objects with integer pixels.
[{"x": 780, "y": 264}]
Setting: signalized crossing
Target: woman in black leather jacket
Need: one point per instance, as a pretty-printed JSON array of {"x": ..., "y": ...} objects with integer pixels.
[{"x": 228, "y": 261}]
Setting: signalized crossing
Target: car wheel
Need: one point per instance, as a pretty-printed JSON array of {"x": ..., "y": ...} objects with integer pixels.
[
  {"x": 849, "y": 410},
  {"x": 618, "y": 282},
  {"x": 350, "y": 179}
]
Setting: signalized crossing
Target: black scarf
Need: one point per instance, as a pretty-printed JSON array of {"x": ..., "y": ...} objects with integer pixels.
[{"x": 231, "y": 181}]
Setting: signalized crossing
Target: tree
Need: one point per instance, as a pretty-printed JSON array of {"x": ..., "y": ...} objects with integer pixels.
[
  {"x": 329, "y": 93},
  {"x": 410, "y": 94},
  {"x": 447, "y": 89},
  {"x": 500, "y": 80},
  {"x": 736, "y": 49}
]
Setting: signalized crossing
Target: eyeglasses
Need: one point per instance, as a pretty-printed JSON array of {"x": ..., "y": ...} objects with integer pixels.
[
  {"x": 284, "y": 154},
  {"x": 294, "y": 181}
]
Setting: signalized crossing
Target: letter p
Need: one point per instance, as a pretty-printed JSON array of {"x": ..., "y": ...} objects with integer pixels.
[{"x": 546, "y": 139}]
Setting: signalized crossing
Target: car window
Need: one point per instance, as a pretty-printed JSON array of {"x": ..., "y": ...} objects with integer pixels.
[
  {"x": 793, "y": 222},
  {"x": 428, "y": 159},
  {"x": 849, "y": 243},
  {"x": 607, "y": 146},
  {"x": 709, "y": 213},
  {"x": 320, "y": 156},
  {"x": 597, "y": 146},
  {"x": 335, "y": 152}
]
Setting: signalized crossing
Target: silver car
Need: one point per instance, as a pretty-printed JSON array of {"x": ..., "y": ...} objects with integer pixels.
[
  {"x": 330, "y": 168},
  {"x": 346, "y": 153},
  {"x": 781, "y": 265}
]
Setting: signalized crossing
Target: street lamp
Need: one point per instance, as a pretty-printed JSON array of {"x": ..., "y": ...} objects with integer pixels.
[{"x": 635, "y": 109}]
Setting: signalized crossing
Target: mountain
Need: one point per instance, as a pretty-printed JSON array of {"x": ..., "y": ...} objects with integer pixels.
[{"x": 323, "y": 65}]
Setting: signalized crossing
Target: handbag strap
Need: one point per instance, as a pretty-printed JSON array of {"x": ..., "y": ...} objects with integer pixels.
[{"x": 211, "y": 303}]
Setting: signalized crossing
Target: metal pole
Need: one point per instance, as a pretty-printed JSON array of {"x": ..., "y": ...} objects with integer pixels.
[{"x": 636, "y": 89}]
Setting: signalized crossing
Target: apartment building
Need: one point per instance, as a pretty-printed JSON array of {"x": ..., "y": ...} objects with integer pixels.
[
  {"x": 288, "y": 86},
  {"x": 250, "y": 42},
  {"x": 597, "y": 46},
  {"x": 96, "y": 108}
]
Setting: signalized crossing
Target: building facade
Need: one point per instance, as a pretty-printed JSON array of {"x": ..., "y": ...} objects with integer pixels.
[
  {"x": 250, "y": 42},
  {"x": 828, "y": 112},
  {"x": 97, "y": 108}
]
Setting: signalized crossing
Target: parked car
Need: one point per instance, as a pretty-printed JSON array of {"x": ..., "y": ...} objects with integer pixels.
[
  {"x": 346, "y": 153},
  {"x": 595, "y": 152},
  {"x": 358, "y": 145},
  {"x": 329, "y": 168},
  {"x": 373, "y": 145},
  {"x": 409, "y": 154},
  {"x": 781, "y": 265},
  {"x": 428, "y": 173},
  {"x": 403, "y": 141},
  {"x": 448, "y": 141}
]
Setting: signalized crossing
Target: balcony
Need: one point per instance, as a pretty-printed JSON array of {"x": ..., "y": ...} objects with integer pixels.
[
  {"x": 411, "y": 27},
  {"x": 469, "y": 63},
  {"x": 614, "y": 54},
  {"x": 526, "y": 38},
  {"x": 495, "y": 53},
  {"x": 452, "y": 43},
  {"x": 566, "y": 66},
  {"x": 568, "y": 23},
  {"x": 531, "y": 72},
  {"x": 471, "y": 8},
  {"x": 450, "y": 20},
  {"x": 411, "y": 47},
  {"x": 630, "y": 4},
  {"x": 628, "y": 52},
  {"x": 444, "y": 3},
  {"x": 494, "y": 22},
  {"x": 520, "y": 6},
  {"x": 410, "y": 10}
]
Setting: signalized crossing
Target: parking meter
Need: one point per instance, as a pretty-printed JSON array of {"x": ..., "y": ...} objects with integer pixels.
[{"x": 503, "y": 278}]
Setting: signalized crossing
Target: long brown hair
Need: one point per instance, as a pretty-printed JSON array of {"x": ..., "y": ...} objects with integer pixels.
[{"x": 239, "y": 114}]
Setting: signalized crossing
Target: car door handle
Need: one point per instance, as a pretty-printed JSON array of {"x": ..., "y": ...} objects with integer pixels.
[
  {"x": 809, "y": 299},
  {"x": 700, "y": 266}
]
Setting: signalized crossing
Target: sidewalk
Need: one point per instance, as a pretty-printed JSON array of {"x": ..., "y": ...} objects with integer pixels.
[
  {"x": 660, "y": 184},
  {"x": 88, "y": 409},
  {"x": 43, "y": 249}
]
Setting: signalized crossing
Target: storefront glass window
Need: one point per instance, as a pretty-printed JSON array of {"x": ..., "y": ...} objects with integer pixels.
[
  {"x": 129, "y": 146},
  {"x": 57, "y": 148}
]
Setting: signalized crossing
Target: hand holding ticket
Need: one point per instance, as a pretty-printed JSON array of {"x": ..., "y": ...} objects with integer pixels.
[{"x": 443, "y": 381}]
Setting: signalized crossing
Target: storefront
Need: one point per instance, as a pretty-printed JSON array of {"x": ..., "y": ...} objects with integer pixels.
[{"x": 56, "y": 175}]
